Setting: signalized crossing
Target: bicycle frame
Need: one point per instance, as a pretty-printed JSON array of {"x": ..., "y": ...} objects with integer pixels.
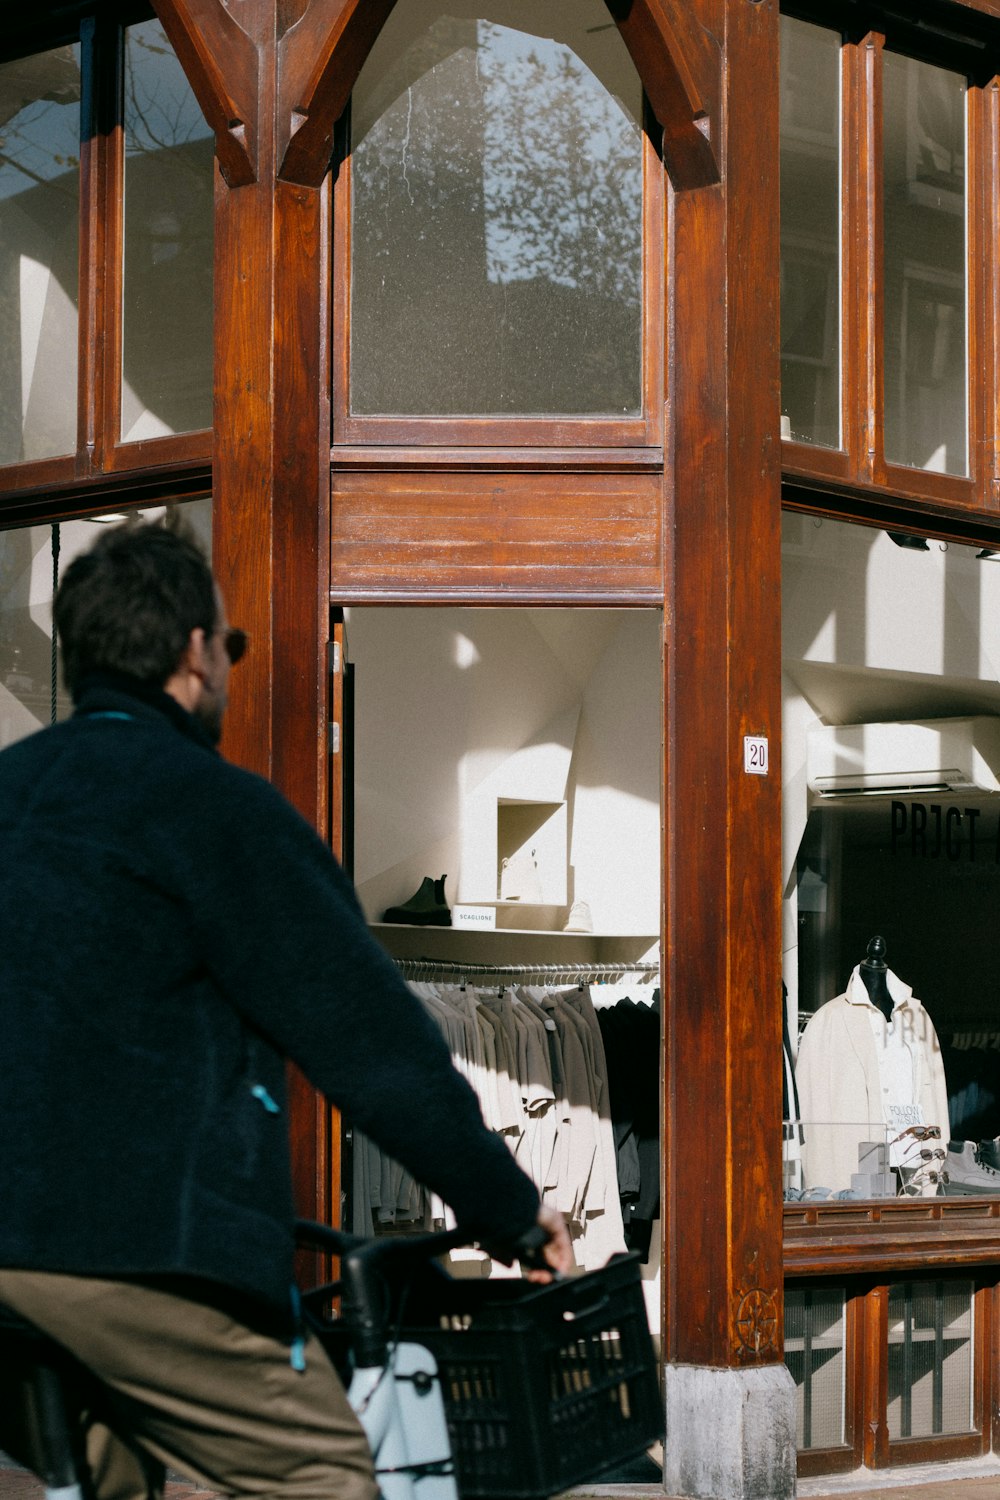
[
  {"x": 399, "y": 1405},
  {"x": 394, "y": 1388}
]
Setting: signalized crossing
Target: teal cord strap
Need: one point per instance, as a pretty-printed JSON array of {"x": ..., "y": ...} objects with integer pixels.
[
  {"x": 297, "y": 1354},
  {"x": 260, "y": 1092}
]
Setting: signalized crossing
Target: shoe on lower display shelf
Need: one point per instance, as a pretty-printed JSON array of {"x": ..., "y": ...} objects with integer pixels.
[
  {"x": 969, "y": 1173},
  {"x": 427, "y": 906}
]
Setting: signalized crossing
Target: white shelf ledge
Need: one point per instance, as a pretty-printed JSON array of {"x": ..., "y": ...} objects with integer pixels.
[{"x": 516, "y": 945}]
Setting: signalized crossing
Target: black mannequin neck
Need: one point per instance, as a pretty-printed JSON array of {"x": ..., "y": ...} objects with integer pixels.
[{"x": 874, "y": 981}]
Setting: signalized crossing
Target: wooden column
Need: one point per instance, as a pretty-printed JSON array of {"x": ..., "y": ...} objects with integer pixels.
[
  {"x": 722, "y": 987},
  {"x": 271, "y": 455}
]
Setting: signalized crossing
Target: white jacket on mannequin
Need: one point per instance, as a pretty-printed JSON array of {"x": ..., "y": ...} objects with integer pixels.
[{"x": 840, "y": 1089}]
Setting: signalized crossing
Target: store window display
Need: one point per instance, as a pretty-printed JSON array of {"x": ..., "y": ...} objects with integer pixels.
[
  {"x": 518, "y": 751},
  {"x": 872, "y": 1087},
  {"x": 891, "y": 855}
]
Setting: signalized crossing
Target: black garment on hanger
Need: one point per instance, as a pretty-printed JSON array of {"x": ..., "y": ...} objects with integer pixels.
[{"x": 631, "y": 1034}]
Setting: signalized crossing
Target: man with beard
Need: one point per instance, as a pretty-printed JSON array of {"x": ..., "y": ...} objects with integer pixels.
[{"x": 171, "y": 933}]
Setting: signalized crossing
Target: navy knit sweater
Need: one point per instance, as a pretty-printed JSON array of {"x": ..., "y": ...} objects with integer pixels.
[{"x": 170, "y": 932}]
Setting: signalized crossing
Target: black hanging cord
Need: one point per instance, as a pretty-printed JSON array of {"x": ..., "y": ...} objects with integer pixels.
[{"x": 55, "y": 585}]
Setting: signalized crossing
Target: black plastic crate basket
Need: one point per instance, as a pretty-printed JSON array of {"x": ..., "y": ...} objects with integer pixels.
[{"x": 544, "y": 1386}]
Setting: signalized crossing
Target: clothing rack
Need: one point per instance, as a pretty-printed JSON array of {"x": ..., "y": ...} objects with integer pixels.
[{"x": 571, "y": 973}]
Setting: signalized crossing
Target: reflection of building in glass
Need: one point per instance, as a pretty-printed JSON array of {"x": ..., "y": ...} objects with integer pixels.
[
  {"x": 166, "y": 381},
  {"x": 30, "y": 681},
  {"x": 925, "y": 274},
  {"x": 810, "y": 233},
  {"x": 39, "y": 201},
  {"x": 167, "y": 293}
]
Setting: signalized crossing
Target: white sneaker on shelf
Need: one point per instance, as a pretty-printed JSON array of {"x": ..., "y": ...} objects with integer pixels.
[{"x": 579, "y": 919}]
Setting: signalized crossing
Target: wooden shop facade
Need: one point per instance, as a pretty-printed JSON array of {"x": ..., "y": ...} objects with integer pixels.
[{"x": 594, "y": 411}]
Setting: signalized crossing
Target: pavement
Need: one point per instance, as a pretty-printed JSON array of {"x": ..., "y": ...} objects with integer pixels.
[{"x": 963, "y": 1482}]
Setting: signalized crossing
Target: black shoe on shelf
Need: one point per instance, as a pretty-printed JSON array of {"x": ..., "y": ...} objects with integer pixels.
[{"x": 427, "y": 907}]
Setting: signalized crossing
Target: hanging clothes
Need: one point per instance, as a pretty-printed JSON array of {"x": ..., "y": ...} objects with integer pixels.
[{"x": 535, "y": 1056}]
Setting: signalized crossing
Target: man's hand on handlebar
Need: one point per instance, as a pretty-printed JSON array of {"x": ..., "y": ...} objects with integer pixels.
[{"x": 556, "y": 1249}]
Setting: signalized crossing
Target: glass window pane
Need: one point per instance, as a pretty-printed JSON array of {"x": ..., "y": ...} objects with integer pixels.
[
  {"x": 167, "y": 277},
  {"x": 810, "y": 233},
  {"x": 926, "y": 415},
  {"x": 496, "y": 262},
  {"x": 891, "y": 832},
  {"x": 31, "y": 560},
  {"x": 39, "y": 218}
]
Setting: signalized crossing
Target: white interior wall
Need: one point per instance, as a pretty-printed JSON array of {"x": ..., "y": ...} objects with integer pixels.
[{"x": 451, "y": 703}]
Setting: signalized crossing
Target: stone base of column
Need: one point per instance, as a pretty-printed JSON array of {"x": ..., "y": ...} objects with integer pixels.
[{"x": 730, "y": 1433}]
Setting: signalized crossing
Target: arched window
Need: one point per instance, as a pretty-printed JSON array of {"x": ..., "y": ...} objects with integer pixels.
[{"x": 498, "y": 210}]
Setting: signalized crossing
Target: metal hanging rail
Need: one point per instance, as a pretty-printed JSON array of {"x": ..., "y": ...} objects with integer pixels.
[{"x": 572, "y": 973}]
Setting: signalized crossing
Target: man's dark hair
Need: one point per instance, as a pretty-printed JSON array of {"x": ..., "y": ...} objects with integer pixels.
[{"x": 130, "y": 603}]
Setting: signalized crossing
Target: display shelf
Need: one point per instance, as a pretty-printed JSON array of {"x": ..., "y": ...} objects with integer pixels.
[{"x": 515, "y": 945}]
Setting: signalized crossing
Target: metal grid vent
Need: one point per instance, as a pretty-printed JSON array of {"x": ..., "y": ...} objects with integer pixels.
[
  {"x": 930, "y": 1359},
  {"x": 814, "y": 1353}
]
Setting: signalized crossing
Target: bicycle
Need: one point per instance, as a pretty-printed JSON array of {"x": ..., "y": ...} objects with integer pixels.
[{"x": 466, "y": 1389}]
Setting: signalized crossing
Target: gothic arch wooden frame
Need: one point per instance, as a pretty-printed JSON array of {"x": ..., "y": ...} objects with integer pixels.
[{"x": 320, "y": 53}]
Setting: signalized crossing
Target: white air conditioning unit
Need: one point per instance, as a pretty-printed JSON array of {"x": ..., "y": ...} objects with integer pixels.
[{"x": 914, "y": 757}]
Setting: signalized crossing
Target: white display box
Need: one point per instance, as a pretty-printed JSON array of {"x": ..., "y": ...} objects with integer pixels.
[
  {"x": 531, "y": 835},
  {"x": 524, "y": 832}
]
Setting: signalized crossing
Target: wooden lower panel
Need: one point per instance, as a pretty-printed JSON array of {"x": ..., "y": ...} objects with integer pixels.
[{"x": 500, "y": 537}]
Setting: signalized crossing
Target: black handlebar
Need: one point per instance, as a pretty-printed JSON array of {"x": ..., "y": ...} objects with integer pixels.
[
  {"x": 365, "y": 1268},
  {"x": 368, "y": 1266}
]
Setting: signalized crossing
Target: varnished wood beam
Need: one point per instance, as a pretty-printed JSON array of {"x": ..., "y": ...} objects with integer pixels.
[
  {"x": 319, "y": 59},
  {"x": 222, "y": 65},
  {"x": 679, "y": 63},
  {"x": 722, "y": 983}
]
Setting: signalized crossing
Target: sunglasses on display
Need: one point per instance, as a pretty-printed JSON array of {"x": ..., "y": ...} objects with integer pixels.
[
  {"x": 918, "y": 1133},
  {"x": 916, "y": 1185}
]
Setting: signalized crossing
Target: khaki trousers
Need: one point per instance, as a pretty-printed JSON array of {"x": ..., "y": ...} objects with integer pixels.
[{"x": 183, "y": 1383}]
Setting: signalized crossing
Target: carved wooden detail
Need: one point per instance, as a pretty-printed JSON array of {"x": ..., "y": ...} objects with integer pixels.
[
  {"x": 755, "y": 1324},
  {"x": 679, "y": 63},
  {"x": 222, "y": 65},
  {"x": 319, "y": 59}
]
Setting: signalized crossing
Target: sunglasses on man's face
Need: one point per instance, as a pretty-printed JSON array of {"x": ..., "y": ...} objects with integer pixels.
[{"x": 235, "y": 643}]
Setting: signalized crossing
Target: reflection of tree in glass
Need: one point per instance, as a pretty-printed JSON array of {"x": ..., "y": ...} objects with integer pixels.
[
  {"x": 496, "y": 231},
  {"x": 40, "y": 121},
  {"x": 562, "y": 171},
  {"x": 160, "y": 110}
]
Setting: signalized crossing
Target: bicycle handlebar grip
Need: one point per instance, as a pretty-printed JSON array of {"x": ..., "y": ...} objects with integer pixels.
[
  {"x": 528, "y": 1248},
  {"x": 364, "y": 1296}
]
